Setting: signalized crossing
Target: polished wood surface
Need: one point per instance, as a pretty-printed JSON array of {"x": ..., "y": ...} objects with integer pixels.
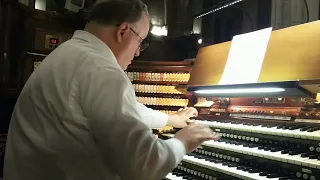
[
  {"x": 292, "y": 54},
  {"x": 209, "y": 64},
  {"x": 299, "y": 109}
]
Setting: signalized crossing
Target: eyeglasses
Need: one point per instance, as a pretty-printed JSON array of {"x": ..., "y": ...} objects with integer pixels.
[{"x": 143, "y": 44}]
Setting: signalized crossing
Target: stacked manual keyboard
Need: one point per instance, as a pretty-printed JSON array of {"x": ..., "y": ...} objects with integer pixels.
[{"x": 254, "y": 150}]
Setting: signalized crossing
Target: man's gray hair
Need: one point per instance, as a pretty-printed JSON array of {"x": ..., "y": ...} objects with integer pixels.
[{"x": 114, "y": 12}]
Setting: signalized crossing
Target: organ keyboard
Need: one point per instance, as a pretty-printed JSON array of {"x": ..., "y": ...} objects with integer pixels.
[{"x": 250, "y": 147}]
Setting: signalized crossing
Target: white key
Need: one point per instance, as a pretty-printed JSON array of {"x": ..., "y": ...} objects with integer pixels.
[
  {"x": 264, "y": 130},
  {"x": 232, "y": 171},
  {"x": 173, "y": 177},
  {"x": 293, "y": 159}
]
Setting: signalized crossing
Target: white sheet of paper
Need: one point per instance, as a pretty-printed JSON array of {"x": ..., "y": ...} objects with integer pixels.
[
  {"x": 72, "y": 7},
  {"x": 246, "y": 57}
]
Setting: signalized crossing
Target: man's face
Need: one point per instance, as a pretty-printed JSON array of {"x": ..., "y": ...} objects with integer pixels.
[{"x": 129, "y": 38}]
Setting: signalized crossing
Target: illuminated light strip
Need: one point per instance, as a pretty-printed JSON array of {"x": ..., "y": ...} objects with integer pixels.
[
  {"x": 240, "y": 90},
  {"x": 219, "y": 8}
]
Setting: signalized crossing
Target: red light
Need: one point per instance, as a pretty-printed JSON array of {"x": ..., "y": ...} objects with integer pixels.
[{"x": 53, "y": 41}]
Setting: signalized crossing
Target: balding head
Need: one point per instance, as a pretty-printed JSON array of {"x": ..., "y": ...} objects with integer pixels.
[{"x": 122, "y": 25}]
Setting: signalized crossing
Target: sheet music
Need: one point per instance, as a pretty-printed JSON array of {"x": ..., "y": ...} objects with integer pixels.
[
  {"x": 74, "y": 5},
  {"x": 25, "y": 2},
  {"x": 246, "y": 57}
]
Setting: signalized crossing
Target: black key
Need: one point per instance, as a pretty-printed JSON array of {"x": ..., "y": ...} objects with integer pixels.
[
  {"x": 267, "y": 148},
  {"x": 240, "y": 167},
  {"x": 232, "y": 165},
  {"x": 294, "y": 127},
  {"x": 293, "y": 152},
  {"x": 313, "y": 129},
  {"x": 305, "y": 154},
  {"x": 283, "y": 178},
  {"x": 238, "y": 143},
  {"x": 253, "y": 170},
  {"x": 270, "y": 126},
  {"x": 246, "y": 168},
  {"x": 233, "y": 142},
  {"x": 219, "y": 161},
  {"x": 272, "y": 175},
  {"x": 314, "y": 156},
  {"x": 288, "y": 177},
  {"x": 275, "y": 149},
  {"x": 305, "y": 128},
  {"x": 285, "y": 127},
  {"x": 263, "y": 173},
  {"x": 286, "y": 151},
  {"x": 225, "y": 163},
  {"x": 238, "y": 122},
  {"x": 253, "y": 145}
]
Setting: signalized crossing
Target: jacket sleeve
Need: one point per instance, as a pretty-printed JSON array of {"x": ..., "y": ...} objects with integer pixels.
[
  {"x": 127, "y": 145},
  {"x": 152, "y": 118}
]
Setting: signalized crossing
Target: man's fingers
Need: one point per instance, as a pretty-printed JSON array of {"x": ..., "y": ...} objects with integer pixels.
[
  {"x": 216, "y": 137},
  {"x": 188, "y": 111},
  {"x": 210, "y": 138},
  {"x": 191, "y": 112},
  {"x": 207, "y": 131},
  {"x": 207, "y": 134},
  {"x": 189, "y": 121},
  {"x": 183, "y": 109},
  {"x": 201, "y": 127},
  {"x": 195, "y": 134}
]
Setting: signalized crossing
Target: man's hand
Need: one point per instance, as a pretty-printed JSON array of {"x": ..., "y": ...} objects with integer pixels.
[
  {"x": 183, "y": 115},
  {"x": 194, "y": 135}
]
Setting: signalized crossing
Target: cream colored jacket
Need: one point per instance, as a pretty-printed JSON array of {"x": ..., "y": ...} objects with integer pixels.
[{"x": 77, "y": 118}]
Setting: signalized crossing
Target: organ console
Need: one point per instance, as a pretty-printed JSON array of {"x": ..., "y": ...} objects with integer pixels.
[
  {"x": 262, "y": 137},
  {"x": 154, "y": 83}
]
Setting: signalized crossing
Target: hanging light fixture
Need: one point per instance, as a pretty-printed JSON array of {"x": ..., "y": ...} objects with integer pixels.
[
  {"x": 216, "y": 8},
  {"x": 159, "y": 30}
]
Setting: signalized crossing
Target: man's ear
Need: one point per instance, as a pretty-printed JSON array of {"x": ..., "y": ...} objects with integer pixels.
[{"x": 122, "y": 31}]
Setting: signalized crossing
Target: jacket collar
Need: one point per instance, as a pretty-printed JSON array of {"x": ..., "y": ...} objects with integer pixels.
[{"x": 93, "y": 40}]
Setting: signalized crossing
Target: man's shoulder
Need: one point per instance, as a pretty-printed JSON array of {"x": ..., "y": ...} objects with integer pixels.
[
  {"x": 83, "y": 49},
  {"x": 90, "y": 60},
  {"x": 88, "y": 55}
]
